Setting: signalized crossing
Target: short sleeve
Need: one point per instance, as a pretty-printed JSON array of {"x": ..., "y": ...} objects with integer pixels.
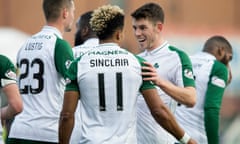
[
  {"x": 7, "y": 71},
  {"x": 145, "y": 84}
]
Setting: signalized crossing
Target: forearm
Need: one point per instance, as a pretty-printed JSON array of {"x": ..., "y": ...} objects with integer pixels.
[
  {"x": 65, "y": 127},
  {"x": 14, "y": 99},
  {"x": 66, "y": 121},
  {"x": 166, "y": 119},
  {"x": 186, "y": 95},
  {"x": 163, "y": 115},
  {"x": 5, "y": 113},
  {"x": 9, "y": 112}
]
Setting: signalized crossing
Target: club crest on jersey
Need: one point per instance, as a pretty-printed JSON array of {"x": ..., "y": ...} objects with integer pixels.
[
  {"x": 11, "y": 75},
  {"x": 218, "y": 82},
  {"x": 68, "y": 63},
  {"x": 188, "y": 73},
  {"x": 156, "y": 65}
]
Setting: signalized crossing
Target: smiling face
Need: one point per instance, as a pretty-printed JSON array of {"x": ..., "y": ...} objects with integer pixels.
[{"x": 147, "y": 33}]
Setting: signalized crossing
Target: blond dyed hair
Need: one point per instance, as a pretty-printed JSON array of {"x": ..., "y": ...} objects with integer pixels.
[{"x": 102, "y": 16}]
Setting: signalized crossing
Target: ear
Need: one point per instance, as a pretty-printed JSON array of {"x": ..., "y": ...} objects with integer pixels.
[
  {"x": 221, "y": 51},
  {"x": 85, "y": 31},
  {"x": 119, "y": 35},
  {"x": 65, "y": 13},
  {"x": 159, "y": 26}
]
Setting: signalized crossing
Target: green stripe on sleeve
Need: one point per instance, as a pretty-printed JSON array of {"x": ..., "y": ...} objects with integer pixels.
[
  {"x": 145, "y": 84},
  {"x": 187, "y": 71}
]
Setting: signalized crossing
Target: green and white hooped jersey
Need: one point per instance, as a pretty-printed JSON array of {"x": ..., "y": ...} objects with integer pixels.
[
  {"x": 7, "y": 76},
  {"x": 175, "y": 66},
  {"x": 109, "y": 79},
  {"x": 42, "y": 61},
  {"x": 211, "y": 80}
]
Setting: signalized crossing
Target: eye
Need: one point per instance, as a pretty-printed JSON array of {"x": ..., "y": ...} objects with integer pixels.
[
  {"x": 134, "y": 27},
  {"x": 142, "y": 27}
]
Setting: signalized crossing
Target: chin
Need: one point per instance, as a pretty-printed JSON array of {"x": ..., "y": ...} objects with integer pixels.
[{"x": 142, "y": 48}]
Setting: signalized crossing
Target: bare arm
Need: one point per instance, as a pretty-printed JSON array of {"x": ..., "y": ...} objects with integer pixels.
[
  {"x": 184, "y": 95},
  {"x": 66, "y": 122},
  {"x": 163, "y": 115},
  {"x": 14, "y": 99}
]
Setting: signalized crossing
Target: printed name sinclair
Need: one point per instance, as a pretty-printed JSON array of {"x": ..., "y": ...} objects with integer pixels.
[{"x": 108, "y": 62}]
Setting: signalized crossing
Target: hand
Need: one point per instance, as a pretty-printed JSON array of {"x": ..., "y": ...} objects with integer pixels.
[
  {"x": 150, "y": 73},
  {"x": 192, "y": 141}
]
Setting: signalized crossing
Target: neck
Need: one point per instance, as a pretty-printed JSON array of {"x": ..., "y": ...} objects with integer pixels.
[
  {"x": 108, "y": 41},
  {"x": 57, "y": 26},
  {"x": 157, "y": 44}
]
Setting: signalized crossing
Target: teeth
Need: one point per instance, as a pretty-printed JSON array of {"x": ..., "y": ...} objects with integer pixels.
[{"x": 140, "y": 40}]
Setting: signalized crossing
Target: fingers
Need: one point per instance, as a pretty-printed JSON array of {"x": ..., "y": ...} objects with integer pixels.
[
  {"x": 148, "y": 64},
  {"x": 148, "y": 67},
  {"x": 149, "y": 73}
]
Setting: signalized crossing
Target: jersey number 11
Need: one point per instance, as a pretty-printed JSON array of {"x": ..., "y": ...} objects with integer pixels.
[{"x": 119, "y": 93}]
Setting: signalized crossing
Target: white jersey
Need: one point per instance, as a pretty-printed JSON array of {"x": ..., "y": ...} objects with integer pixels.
[
  {"x": 42, "y": 85},
  {"x": 205, "y": 68},
  {"x": 109, "y": 79},
  {"x": 79, "y": 51},
  {"x": 172, "y": 65}
]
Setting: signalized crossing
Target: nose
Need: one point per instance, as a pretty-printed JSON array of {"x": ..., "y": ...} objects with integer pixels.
[{"x": 137, "y": 32}]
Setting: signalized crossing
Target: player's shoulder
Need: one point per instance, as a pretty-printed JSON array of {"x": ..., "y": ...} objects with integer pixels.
[
  {"x": 7, "y": 68},
  {"x": 62, "y": 45},
  {"x": 183, "y": 56},
  {"x": 139, "y": 58},
  {"x": 4, "y": 60},
  {"x": 177, "y": 50},
  {"x": 219, "y": 66}
]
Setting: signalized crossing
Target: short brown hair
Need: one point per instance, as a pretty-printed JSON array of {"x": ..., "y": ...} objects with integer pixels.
[
  {"x": 150, "y": 11},
  {"x": 52, "y": 8}
]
